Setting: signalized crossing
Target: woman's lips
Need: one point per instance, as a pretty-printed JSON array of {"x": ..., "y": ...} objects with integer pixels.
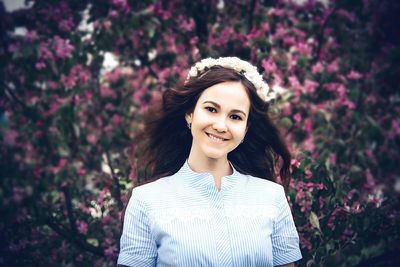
[{"x": 215, "y": 138}]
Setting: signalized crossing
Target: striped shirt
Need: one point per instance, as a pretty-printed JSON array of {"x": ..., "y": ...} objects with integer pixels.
[{"x": 183, "y": 220}]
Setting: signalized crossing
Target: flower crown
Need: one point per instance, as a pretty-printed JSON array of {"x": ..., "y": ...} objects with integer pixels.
[{"x": 243, "y": 67}]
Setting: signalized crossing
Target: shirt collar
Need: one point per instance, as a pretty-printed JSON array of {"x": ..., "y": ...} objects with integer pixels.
[{"x": 205, "y": 180}]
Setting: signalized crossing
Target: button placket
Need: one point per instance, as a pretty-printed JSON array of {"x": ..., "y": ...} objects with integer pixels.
[{"x": 221, "y": 229}]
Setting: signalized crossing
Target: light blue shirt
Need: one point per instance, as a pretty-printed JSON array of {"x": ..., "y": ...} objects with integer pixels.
[{"x": 183, "y": 220}]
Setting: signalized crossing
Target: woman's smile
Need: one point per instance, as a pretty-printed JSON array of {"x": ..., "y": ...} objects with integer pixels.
[{"x": 216, "y": 139}]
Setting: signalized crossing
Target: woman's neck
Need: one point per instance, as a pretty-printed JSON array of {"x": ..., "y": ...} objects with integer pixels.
[{"x": 217, "y": 167}]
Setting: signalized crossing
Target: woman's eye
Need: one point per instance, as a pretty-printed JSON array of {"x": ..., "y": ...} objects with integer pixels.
[
  {"x": 211, "y": 109},
  {"x": 236, "y": 117}
]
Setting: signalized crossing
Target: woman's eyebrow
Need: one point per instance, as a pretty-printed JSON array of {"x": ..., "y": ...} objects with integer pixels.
[{"x": 218, "y": 106}]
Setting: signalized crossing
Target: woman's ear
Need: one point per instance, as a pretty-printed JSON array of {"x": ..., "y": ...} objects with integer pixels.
[{"x": 188, "y": 118}]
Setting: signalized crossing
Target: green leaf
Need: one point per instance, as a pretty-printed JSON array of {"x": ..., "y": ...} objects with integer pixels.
[
  {"x": 93, "y": 241},
  {"x": 314, "y": 220}
]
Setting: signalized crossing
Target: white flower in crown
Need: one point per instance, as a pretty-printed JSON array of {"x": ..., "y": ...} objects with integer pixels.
[{"x": 249, "y": 71}]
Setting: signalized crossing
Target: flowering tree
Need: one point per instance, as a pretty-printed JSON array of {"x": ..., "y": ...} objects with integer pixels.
[{"x": 67, "y": 120}]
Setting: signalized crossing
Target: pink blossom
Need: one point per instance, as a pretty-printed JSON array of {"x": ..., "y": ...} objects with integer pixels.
[
  {"x": 186, "y": 24},
  {"x": 310, "y": 86},
  {"x": 304, "y": 242},
  {"x": 107, "y": 92},
  {"x": 295, "y": 162},
  {"x": 332, "y": 158},
  {"x": 88, "y": 95},
  {"x": 317, "y": 68},
  {"x": 304, "y": 49},
  {"x": 12, "y": 48},
  {"x": 61, "y": 164},
  {"x": 310, "y": 186},
  {"x": 194, "y": 40},
  {"x": 334, "y": 87},
  {"x": 300, "y": 195},
  {"x": 254, "y": 34},
  {"x": 333, "y": 67},
  {"x": 279, "y": 12},
  {"x": 132, "y": 175},
  {"x": 308, "y": 174},
  {"x": 40, "y": 65},
  {"x": 82, "y": 226},
  {"x": 82, "y": 73},
  {"x": 31, "y": 36},
  {"x": 10, "y": 137},
  {"x": 354, "y": 75},
  {"x": 370, "y": 181},
  {"x": 110, "y": 251},
  {"x": 394, "y": 130},
  {"x": 91, "y": 138},
  {"x": 286, "y": 109},
  {"x": 76, "y": 100},
  {"x": 17, "y": 194},
  {"x": 69, "y": 81},
  {"x": 308, "y": 144},
  {"x": 55, "y": 105},
  {"x": 322, "y": 202},
  {"x": 299, "y": 33},
  {"x": 346, "y": 14},
  {"x": 297, "y": 117},
  {"x": 138, "y": 95},
  {"x": 289, "y": 40},
  {"x": 277, "y": 79},
  {"x": 44, "y": 51},
  {"x": 341, "y": 90},
  {"x": 81, "y": 171},
  {"x": 102, "y": 196},
  {"x": 349, "y": 104},
  {"x": 121, "y": 4},
  {"x": 113, "y": 14},
  {"x": 66, "y": 25},
  {"x": 294, "y": 82},
  {"x": 158, "y": 10},
  {"x": 53, "y": 85},
  {"x": 269, "y": 66},
  {"x": 63, "y": 49},
  {"x": 321, "y": 186},
  {"x": 116, "y": 120}
]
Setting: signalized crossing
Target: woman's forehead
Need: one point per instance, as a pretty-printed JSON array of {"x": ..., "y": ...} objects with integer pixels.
[{"x": 227, "y": 94}]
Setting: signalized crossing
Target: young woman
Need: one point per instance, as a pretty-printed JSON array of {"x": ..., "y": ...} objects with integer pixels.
[{"x": 213, "y": 153}]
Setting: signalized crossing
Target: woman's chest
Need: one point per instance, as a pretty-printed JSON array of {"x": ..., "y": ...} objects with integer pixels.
[{"x": 218, "y": 233}]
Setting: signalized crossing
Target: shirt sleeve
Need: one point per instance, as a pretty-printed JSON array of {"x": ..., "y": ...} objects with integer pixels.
[
  {"x": 285, "y": 239},
  {"x": 137, "y": 245}
]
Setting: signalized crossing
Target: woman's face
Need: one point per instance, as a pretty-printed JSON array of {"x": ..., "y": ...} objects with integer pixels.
[{"x": 219, "y": 120}]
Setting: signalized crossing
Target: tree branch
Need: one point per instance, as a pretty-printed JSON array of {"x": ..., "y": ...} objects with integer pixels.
[
  {"x": 75, "y": 239},
  {"x": 70, "y": 213},
  {"x": 250, "y": 15},
  {"x": 116, "y": 189},
  {"x": 321, "y": 32}
]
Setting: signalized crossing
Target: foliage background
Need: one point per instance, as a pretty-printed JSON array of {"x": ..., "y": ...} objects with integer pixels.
[{"x": 67, "y": 119}]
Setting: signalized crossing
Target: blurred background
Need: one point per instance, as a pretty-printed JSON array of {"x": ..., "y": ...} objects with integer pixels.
[{"x": 77, "y": 76}]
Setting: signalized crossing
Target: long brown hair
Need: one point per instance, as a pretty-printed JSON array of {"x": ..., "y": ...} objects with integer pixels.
[{"x": 162, "y": 147}]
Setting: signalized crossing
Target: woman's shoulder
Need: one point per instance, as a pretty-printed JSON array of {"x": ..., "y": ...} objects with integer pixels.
[
  {"x": 152, "y": 187},
  {"x": 264, "y": 185}
]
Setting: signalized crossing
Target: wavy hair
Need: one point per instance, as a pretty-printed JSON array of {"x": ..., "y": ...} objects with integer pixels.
[{"x": 162, "y": 147}]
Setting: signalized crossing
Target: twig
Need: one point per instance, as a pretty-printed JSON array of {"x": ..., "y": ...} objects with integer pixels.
[
  {"x": 250, "y": 15},
  {"x": 73, "y": 238},
  {"x": 321, "y": 33},
  {"x": 71, "y": 217},
  {"x": 116, "y": 187}
]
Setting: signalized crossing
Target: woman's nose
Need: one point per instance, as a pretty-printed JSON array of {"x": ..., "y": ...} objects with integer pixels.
[{"x": 220, "y": 125}]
